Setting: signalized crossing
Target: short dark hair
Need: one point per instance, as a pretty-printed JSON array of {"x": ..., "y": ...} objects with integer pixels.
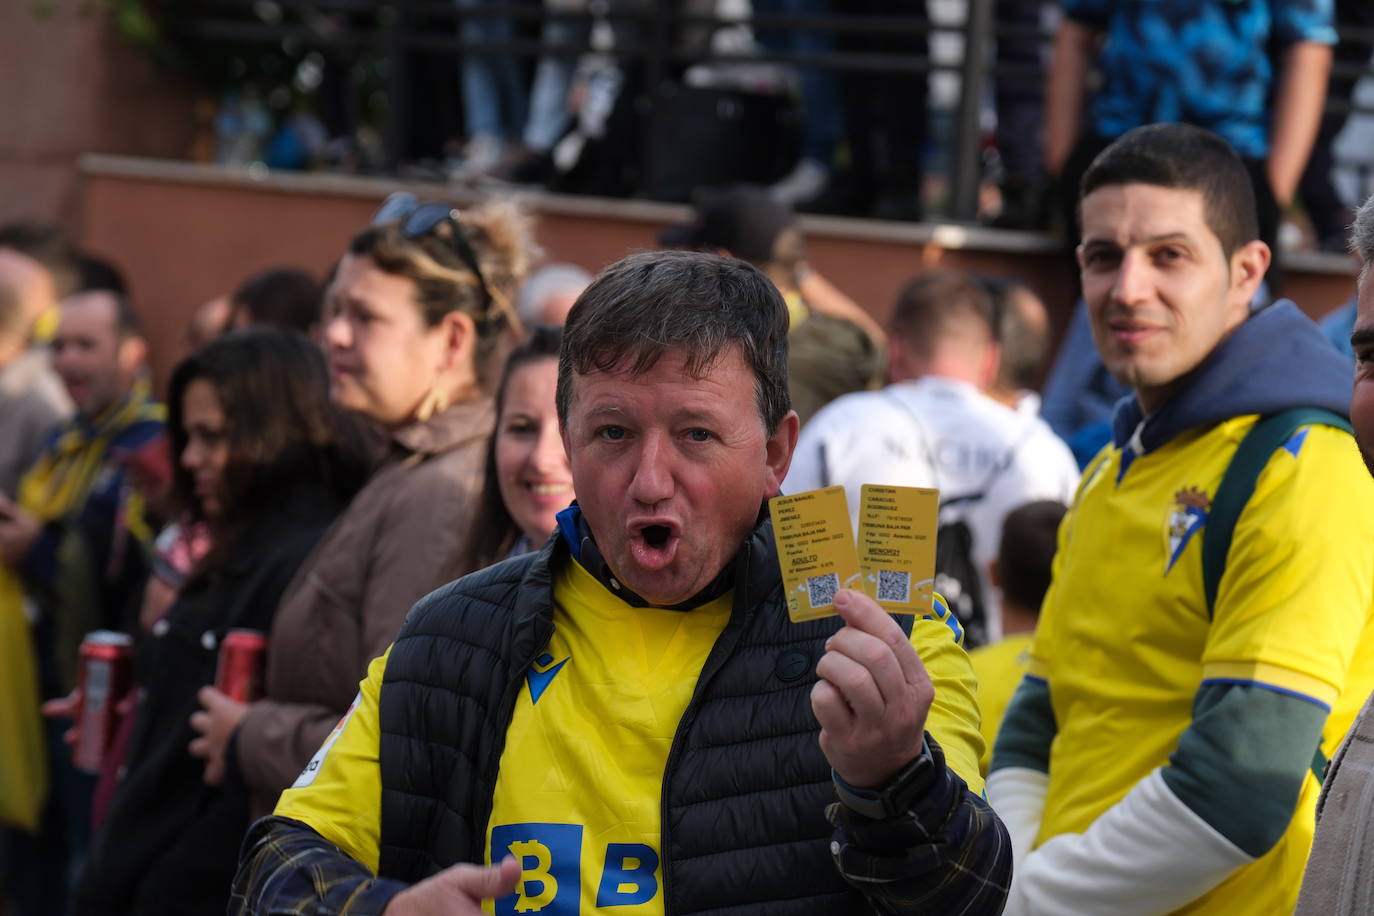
[
  {"x": 1025, "y": 556},
  {"x": 644, "y": 305},
  {"x": 498, "y": 531},
  {"x": 934, "y": 303},
  {"x": 281, "y": 297},
  {"x": 1188, "y": 158},
  {"x": 96, "y": 273},
  {"x": 283, "y": 430},
  {"x": 47, "y": 245}
]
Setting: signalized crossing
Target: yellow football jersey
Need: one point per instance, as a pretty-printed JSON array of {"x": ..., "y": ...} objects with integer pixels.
[
  {"x": 1125, "y": 641},
  {"x": 578, "y": 795},
  {"x": 999, "y": 668}
]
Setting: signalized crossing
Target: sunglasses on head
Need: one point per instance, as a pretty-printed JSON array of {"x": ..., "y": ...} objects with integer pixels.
[{"x": 416, "y": 220}]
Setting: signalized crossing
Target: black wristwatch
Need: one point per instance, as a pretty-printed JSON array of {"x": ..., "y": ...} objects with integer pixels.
[{"x": 897, "y": 796}]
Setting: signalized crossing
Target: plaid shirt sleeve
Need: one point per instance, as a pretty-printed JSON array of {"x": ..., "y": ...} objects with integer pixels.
[
  {"x": 287, "y": 868},
  {"x": 949, "y": 854}
]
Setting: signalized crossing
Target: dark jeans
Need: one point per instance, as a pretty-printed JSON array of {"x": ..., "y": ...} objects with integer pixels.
[
  {"x": 820, "y": 89},
  {"x": 1019, "y": 99},
  {"x": 886, "y": 112},
  {"x": 41, "y": 870},
  {"x": 1328, "y": 212}
]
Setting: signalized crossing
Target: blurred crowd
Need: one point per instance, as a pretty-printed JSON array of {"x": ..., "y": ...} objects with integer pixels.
[
  {"x": 841, "y": 110},
  {"x": 326, "y": 453},
  {"x": 331, "y": 448}
]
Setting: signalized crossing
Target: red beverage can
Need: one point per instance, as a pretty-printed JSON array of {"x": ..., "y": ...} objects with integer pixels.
[
  {"x": 242, "y": 665},
  {"x": 105, "y": 676}
]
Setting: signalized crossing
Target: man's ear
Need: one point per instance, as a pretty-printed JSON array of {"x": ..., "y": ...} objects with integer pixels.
[
  {"x": 899, "y": 363},
  {"x": 991, "y": 365},
  {"x": 132, "y": 353},
  {"x": 1249, "y": 263},
  {"x": 459, "y": 341},
  {"x": 779, "y": 448}
]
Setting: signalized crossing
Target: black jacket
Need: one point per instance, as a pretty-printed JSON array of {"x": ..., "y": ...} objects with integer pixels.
[
  {"x": 745, "y": 789},
  {"x": 169, "y": 841}
]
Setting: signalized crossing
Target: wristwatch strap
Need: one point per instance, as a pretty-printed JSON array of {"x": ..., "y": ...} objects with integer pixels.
[{"x": 897, "y": 796}]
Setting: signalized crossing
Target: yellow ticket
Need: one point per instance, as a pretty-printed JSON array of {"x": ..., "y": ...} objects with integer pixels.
[
  {"x": 897, "y": 528},
  {"x": 815, "y": 550}
]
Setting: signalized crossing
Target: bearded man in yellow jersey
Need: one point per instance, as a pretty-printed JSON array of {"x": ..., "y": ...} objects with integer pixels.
[
  {"x": 1164, "y": 752},
  {"x": 627, "y": 720}
]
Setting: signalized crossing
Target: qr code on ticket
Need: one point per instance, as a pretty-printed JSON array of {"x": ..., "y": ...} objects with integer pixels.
[
  {"x": 821, "y": 589},
  {"x": 894, "y": 586}
]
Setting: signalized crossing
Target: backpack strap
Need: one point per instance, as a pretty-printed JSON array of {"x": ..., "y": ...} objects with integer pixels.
[
  {"x": 1238, "y": 483},
  {"x": 1234, "y": 491}
]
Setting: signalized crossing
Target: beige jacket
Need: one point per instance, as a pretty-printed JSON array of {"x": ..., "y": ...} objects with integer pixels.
[{"x": 400, "y": 538}]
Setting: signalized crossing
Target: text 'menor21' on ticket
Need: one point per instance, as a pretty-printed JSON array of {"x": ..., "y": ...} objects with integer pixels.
[{"x": 894, "y": 562}]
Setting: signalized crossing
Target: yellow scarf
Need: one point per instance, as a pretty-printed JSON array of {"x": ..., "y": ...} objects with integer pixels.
[
  {"x": 62, "y": 478},
  {"x": 797, "y": 309}
]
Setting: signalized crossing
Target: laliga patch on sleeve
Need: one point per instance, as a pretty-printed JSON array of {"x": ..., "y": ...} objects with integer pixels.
[
  {"x": 897, "y": 527},
  {"x": 815, "y": 550},
  {"x": 312, "y": 769}
]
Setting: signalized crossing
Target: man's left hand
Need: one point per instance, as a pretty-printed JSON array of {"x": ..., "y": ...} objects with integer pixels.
[
  {"x": 873, "y": 695},
  {"x": 18, "y": 531},
  {"x": 215, "y": 723}
]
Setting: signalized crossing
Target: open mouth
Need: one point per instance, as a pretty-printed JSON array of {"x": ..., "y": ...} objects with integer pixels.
[{"x": 654, "y": 546}]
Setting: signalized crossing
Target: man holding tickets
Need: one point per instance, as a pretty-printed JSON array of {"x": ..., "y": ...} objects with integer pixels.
[{"x": 627, "y": 718}]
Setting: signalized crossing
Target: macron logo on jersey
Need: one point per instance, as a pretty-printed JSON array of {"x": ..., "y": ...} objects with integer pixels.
[{"x": 541, "y": 675}]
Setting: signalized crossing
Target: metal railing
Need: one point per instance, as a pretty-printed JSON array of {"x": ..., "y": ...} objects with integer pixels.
[{"x": 400, "y": 29}]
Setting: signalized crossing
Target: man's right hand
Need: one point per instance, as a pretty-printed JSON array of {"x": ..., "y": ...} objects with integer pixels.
[{"x": 457, "y": 891}]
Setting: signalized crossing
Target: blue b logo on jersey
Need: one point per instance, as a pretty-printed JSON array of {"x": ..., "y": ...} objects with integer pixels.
[
  {"x": 550, "y": 857},
  {"x": 628, "y": 877}
]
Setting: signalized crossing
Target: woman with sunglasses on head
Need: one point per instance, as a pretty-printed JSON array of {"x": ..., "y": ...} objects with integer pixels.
[
  {"x": 267, "y": 462},
  {"x": 528, "y": 480},
  {"x": 417, "y": 320}
]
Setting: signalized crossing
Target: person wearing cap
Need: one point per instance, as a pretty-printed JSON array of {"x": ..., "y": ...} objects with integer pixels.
[{"x": 835, "y": 347}]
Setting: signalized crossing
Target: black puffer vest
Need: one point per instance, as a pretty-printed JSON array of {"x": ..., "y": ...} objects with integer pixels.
[{"x": 745, "y": 786}]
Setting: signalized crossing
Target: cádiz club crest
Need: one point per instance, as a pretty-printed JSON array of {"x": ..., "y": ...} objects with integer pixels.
[{"x": 1187, "y": 515}]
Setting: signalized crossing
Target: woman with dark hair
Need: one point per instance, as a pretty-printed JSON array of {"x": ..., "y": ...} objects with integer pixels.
[
  {"x": 528, "y": 479},
  {"x": 418, "y": 320},
  {"x": 267, "y": 462}
]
